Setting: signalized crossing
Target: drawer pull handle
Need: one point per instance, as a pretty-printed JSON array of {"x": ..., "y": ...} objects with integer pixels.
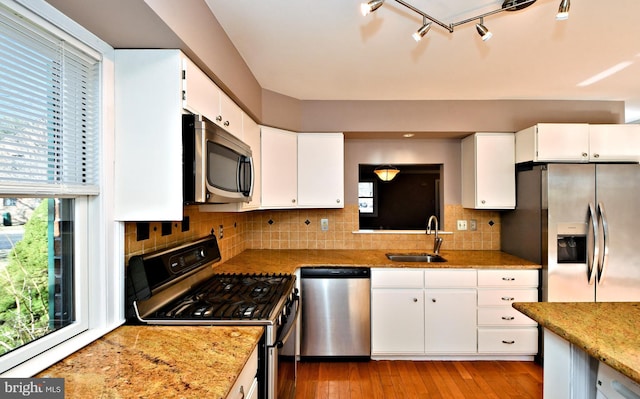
[
  {"x": 509, "y": 278},
  {"x": 508, "y": 342},
  {"x": 508, "y": 317},
  {"x": 507, "y": 298}
]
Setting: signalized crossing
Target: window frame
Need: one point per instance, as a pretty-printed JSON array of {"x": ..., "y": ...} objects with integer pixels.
[{"x": 99, "y": 271}]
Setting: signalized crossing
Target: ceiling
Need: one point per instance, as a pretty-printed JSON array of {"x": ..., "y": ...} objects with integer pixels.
[{"x": 326, "y": 50}]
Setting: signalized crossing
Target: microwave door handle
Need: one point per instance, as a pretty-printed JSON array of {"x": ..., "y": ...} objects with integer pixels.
[
  {"x": 592, "y": 236},
  {"x": 604, "y": 256}
]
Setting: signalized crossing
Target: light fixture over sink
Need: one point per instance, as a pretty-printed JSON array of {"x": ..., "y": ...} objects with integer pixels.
[{"x": 386, "y": 172}]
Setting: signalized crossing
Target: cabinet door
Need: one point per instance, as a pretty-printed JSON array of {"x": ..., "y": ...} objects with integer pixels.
[
  {"x": 279, "y": 168},
  {"x": 562, "y": 142},
  {"x": 148, "y": 112},
  {"x": 321, "y": 170},
  {"x": 397, "y": 321},
  {"x": 614, "y": 143},
  {"x": 450, "y": 321},
  {"x": 200, "y": 95},
  {"x": 230, "y": 117},
  {"x": 488, "y": 171}
]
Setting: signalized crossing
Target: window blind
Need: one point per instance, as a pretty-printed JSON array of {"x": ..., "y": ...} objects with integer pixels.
[{"x": 49, "y": 112}]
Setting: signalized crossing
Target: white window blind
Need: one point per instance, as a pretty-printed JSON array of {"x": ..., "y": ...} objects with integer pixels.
[{"x": 49, "y": 108}]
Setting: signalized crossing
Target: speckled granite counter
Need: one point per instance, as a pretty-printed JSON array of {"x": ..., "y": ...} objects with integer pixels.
[
  {"x": 607, "y": 331},
  {"x": 158, "y": 362},
  {"x": 288, "y": 260}
]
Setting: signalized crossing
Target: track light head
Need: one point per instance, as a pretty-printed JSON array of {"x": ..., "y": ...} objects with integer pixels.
[
  {"x": 419, "y": 34},
  {"x": 371, "y": 6},
  {"x": 563, "y": 10},
  {"x": 484, "y": 33}
]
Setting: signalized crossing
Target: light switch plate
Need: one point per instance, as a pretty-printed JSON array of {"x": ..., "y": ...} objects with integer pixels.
[
  {"x": 462, "y": 224},
  {"x": 324, "y": 224}
]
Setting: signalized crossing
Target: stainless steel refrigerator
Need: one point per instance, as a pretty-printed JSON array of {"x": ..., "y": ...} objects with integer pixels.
[{"x": 582, "y": 223}]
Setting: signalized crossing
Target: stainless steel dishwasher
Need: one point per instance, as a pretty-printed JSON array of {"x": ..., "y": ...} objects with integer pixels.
[{"x": 336, "y": 312}]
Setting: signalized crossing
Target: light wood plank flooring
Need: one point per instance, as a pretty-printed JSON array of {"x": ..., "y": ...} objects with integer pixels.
[{"x": 423, "y": 379}]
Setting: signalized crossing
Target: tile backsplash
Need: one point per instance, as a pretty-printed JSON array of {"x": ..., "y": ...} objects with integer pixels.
[{"x": 301, "y": 229}]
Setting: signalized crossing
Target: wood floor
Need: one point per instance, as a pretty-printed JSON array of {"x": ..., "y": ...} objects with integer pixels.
[{"x": 424, "y": 379}]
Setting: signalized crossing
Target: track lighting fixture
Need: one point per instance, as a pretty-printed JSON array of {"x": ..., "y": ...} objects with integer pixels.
[
  {"x": 419, "y": 34},
  {"x": 484, "y": 33},
  {"x": 563, "y": 10},
  {"x": 371, "y": 6},
  {"x": 427, "y": 20}
]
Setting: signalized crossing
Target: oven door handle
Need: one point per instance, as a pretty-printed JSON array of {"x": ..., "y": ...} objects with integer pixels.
[{"x": 284, "y": 337}]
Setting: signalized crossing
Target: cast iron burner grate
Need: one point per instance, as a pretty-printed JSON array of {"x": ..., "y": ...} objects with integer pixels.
[{"x": 230, "y": 297}]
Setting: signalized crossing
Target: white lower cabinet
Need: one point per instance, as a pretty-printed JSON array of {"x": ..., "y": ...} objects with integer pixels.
[
  {"x": 246, "y": 386},
  {"x": 450, "y": 322},
  {"x": 423, "y": 313},
  {"x": 397, "y": 321},
  {"x": 501, "y": 328}
]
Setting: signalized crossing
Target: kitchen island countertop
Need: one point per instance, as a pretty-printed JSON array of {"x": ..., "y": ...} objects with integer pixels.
[
  {"x": 158, "y": 362},
  {"x": 288, "y": 260},
  {"x": 607, "y": 331}
]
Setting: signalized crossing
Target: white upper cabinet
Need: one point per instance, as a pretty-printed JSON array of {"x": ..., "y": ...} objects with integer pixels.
[
  {"x": 230, "y": 116},
  {"x": 553, "y": 142},
  {"x": 202, "y": 96},
  {"x": 148, "y": 129},
  {"x": 279, "y": 168},
  {"x": 488, "y": 171},
  {"x": 302, "y": 170},
  {"x": 578, "y": 142},
  {"x": 321, "y": 170},
  {"x": 614, "y": 143}
]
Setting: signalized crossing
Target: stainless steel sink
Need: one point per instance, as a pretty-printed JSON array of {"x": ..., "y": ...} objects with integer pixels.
[{"x": 415, "y": 257}]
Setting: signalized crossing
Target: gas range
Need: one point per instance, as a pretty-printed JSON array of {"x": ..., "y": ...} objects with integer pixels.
[{"x": 179, "y": 286}]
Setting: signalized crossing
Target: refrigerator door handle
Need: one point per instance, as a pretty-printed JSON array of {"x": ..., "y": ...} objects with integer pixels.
[
  {"x": 604, "y": 257},
  {"x": 592, "y": 236}
]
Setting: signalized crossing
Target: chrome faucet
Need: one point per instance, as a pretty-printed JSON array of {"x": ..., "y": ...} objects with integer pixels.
[{"x": 437, "y": 241}]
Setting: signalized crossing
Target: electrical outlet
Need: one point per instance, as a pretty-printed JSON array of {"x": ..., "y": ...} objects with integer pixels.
[
  {"x": 324, "y": 224},
  {"x": 221, "y": 232},
  {"x": 473, "y": 225},
  {"x": 462, "y": 224}
]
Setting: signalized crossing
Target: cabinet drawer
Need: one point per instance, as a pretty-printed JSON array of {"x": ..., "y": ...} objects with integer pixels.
[
  {"x": 450, "y": 278},
  {"x": 508, "y": 340},
  {"x": 505, "y": 297},
  {"x": 397, "y": 278},
  {"x": 246, "y": 379},
  {"x": 502, "y": 316},
  {"x": 507, "y": 278}
]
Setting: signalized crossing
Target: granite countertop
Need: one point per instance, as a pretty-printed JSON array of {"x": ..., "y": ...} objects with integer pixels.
[
  {"x": 288, "y": 260},
  {"x": 607, "y": 331},
  {"x": 158, "y": 362}
]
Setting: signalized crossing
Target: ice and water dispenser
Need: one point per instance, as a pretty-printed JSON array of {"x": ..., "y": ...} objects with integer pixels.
[{"x": 572, "y": 243}]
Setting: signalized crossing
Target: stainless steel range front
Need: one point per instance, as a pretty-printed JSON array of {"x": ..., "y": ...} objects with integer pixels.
[{"x": 178, "y": 286}]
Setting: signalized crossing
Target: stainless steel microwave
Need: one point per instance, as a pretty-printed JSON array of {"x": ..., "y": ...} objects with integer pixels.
[{"x": 217, "y": 166}]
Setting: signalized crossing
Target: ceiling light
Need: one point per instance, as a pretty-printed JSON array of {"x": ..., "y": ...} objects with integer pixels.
[
  {"x": 419, "y": 34},
  {"x": 407, "y": 135},
  {"x": 483, "y": 31},
  {"x": 507, "y": 5},
  {"x": 563, "y": 10},
  {"x": 386, "y": 172},
  {"x": 371, "y": 6}
]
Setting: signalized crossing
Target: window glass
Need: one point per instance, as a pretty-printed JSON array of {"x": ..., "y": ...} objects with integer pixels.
[{"x": 36, "y": 266}]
